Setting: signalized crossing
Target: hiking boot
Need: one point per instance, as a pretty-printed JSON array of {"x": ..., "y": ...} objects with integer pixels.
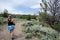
[{"x": 12, "y": 38}]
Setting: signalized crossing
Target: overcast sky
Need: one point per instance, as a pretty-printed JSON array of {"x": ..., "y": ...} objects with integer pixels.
[{"x": 20, "y": 6}]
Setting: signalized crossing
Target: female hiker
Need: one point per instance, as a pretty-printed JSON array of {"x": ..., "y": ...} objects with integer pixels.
[{"x": 11, "y": 25}]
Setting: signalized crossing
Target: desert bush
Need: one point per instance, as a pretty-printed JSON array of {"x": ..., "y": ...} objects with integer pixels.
[
  {"x": 57, "y": 26},
  {"x": 28, "y": 23},
  {"x": 41, "y": 32},
  {"x": 2, "y": 20}
]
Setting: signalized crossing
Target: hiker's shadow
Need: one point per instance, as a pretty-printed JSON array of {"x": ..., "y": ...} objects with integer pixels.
[
  {"x": 1, "y": 30},
  {"x": 18, "y": 36}
]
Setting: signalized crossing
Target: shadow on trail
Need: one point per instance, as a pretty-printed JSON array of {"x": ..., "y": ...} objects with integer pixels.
[
  {"x": 18, "y": 36},
  {"x": 1, "y": 30}
]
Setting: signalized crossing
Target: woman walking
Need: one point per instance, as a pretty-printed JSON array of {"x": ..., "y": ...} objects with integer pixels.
[{"x": 11, "y": 25}]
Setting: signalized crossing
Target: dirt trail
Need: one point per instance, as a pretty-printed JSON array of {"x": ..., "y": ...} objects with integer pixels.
[{"x": 19, "y": 34}]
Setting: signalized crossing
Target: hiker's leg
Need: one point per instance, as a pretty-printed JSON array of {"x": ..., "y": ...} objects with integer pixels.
[{"x": 12, "y": 33}]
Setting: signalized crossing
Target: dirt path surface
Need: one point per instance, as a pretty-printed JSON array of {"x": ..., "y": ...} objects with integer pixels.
[{"x": 19, "y": 34}]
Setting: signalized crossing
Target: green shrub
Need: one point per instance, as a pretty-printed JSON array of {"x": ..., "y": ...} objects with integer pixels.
[
  {"x": 28, "y": 23},
  {"x": 56, "y": 26},
  {"x": 41, "y": 32},
  {"x": 28, "y": 36},
  {"x": 2, "y": 20}
]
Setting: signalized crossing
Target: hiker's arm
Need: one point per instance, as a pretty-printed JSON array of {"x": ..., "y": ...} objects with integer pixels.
[{"x": 13, "y": 21}]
